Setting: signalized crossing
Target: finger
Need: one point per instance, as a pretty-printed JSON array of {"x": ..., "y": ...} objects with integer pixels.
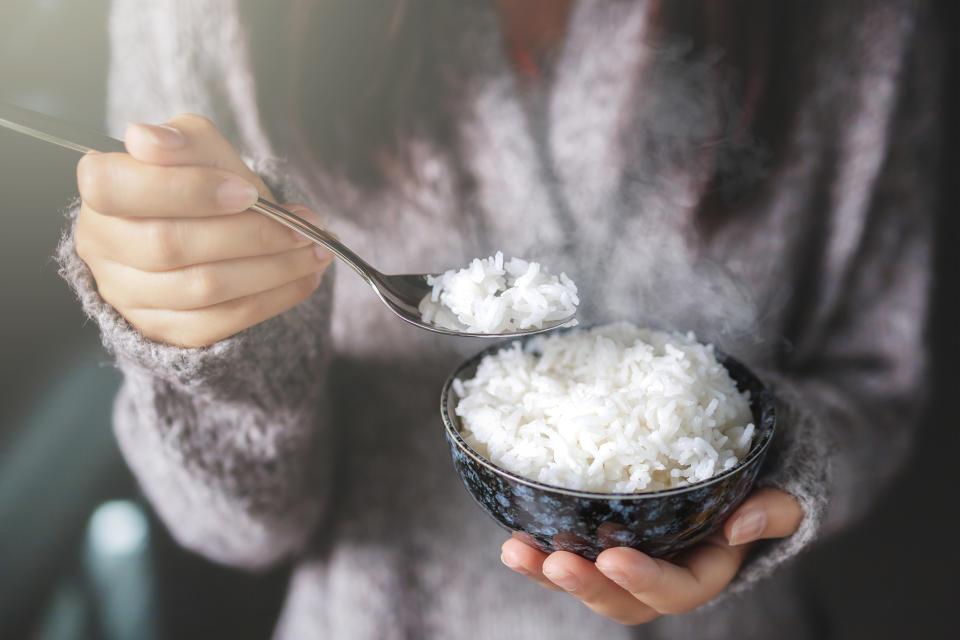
[
  {"x": 203, "y": 327},
  {"x": 186, "y": 139},
  {"x": 767, "y": 513},
  {"x": 161, "y": 244},
  {"x": 119, "y": 185},
  {"x": 694, "y": 578},
  {"x": 584, "y": 580},
  {"x": 526, "y": 561},
  {"x": 204, "y": 285}
]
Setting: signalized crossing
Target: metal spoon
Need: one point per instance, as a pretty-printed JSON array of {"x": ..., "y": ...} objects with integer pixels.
[{"x": 401, "y": 293}]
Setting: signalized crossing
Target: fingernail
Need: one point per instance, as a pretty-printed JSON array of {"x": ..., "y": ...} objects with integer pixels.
[
  {"x": 614, "y": 574},
  {"x": 564, "y": 580},
  {"x": 323, "y": 254},
  {"x": 235, "y": 194},
  {"x": 161, "y": 135},
  {"x": 510, "y": 563},
  {"x": 748, "y": 527}
]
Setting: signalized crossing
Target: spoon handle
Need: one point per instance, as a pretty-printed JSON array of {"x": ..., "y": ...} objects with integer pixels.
[
  {"x": 56, "y": 131},
  {"x": 318, "y": 235}
]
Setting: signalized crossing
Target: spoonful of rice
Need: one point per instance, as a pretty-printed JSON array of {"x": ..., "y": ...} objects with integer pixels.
[
  {"x": 496, "y": 298},
  {"x": 489, "y": 298}
]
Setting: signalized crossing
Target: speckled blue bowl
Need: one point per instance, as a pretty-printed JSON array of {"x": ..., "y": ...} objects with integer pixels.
[{"x": 659, "y": 523}]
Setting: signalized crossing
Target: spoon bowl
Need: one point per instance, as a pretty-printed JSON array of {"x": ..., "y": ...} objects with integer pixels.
[{"x": 401, "y": 293}]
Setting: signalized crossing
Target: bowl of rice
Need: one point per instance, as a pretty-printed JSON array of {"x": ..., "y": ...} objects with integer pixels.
[{"x": 586, "y": 439}]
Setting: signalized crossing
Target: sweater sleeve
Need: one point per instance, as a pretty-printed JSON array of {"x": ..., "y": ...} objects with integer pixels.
[
  {"x": 851, "y": 390},
  {"x": 229, "y": 442}
]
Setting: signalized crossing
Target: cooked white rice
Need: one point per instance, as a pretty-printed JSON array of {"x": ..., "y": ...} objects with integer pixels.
[
  {"x": 493, "y": 296},
  {"x": 612, "y": 409}
]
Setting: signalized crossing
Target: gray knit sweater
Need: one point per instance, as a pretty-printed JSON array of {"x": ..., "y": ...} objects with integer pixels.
[{"x": 315, "y": 437}]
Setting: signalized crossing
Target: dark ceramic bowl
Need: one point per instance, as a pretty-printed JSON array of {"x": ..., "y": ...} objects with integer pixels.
[{"x": 658, "y": 523}]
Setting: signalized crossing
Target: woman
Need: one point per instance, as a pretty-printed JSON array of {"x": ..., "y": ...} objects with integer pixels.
[{"x": 754, "y": 174}]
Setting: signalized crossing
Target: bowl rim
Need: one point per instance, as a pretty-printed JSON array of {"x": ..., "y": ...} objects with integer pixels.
[{"x": 767, "y": 406}]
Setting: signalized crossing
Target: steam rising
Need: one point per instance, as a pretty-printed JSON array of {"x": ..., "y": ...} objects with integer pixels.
[{"x": 638, "y": 255}]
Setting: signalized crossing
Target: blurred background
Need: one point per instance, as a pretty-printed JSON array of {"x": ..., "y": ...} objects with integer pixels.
[{"x": 81, "y": 554}]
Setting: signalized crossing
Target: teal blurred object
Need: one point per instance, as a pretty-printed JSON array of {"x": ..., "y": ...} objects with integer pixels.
[
  {"x": 119, "y": 567},
  {"x": 56, "y": 467},
  {"x": 112, "y": 593}
]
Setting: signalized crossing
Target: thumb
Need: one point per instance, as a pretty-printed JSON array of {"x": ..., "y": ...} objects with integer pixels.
[
  {"x": 767, "y": 513},
  {"x": 188, "y": 139}
]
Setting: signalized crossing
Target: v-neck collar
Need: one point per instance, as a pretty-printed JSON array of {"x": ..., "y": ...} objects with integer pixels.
[{"x": 573, "y": 122}]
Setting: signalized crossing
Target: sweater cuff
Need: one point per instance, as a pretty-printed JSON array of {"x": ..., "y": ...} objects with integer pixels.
[{"x": 797, "y": 463}]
